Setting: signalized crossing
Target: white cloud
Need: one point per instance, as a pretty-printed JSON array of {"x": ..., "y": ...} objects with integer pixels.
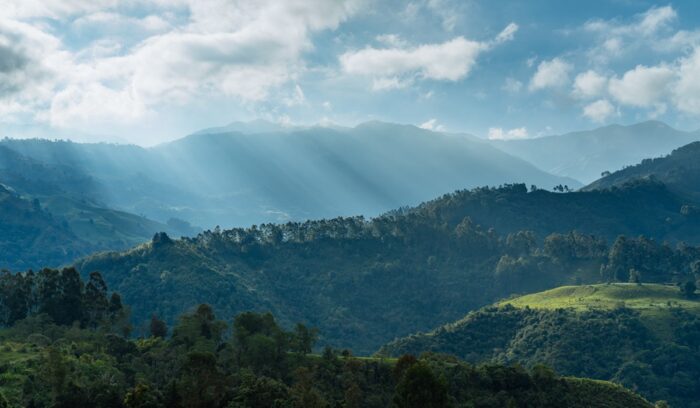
[
  {"x": 551, "y": 74},
  {"x": 500, "y": 134},
  {"x": 395, "y": 67},
  {"x": 642, "y": 86},
  {"x": 116, "y": 21},
  {"x": 647, "y": 23},
  {"x": 507, "y": 34},
  {"x": 232, "y": 48},
  {"x": 686, "y": 92},
  {"x": 644, "y": 32},
  {"x": 451, "y": 60},
  {"x": 433, "y": 125},
  {"x": 589, "y": 84},
  {"x": 656, "y": 18},
  {"x": 599, "y": 111}
]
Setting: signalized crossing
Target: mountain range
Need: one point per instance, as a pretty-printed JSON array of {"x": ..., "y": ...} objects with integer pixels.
[
  {"x": 586, "y": 155},
  {"x": 231, "y": 178}
]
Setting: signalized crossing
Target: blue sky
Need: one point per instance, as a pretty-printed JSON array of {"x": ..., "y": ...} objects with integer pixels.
[{"x": 150, "y": 71}]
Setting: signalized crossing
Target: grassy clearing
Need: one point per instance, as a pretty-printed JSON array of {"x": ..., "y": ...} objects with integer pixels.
[{"x": 649, "y": 299}]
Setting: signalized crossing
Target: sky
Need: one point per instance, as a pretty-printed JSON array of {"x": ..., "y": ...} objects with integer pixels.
[{"x": 150, "y": 71}]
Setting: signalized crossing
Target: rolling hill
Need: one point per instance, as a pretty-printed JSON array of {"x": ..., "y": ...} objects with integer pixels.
[
  {"x": 585, "y": 155},
  {"x": 642, "y": 336}
]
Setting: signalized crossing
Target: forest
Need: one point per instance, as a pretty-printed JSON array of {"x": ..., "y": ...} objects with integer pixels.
[
  {"x": 656, "y": 355},
  {"x": 77, "y": 353},
  {"x": 364, "y": 282}
]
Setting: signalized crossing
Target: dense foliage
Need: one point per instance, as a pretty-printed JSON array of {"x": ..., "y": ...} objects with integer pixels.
[
  {"x": 62, "y": 296},
  {"x": 365, "y": 282},
  {"x": 653, "y": 350},
  {"x": 256, "y": 365}
]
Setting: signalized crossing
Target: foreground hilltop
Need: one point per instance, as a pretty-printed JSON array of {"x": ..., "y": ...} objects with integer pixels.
[
  {"x": 68, "y": 347},
  {"x": 645, "y": 337}
]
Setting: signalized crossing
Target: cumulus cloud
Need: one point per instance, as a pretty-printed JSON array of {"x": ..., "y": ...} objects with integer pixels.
[
  {"x": 451, "y": 60},
  {"x": 232, "y": 48},
  {"x": 686, "y": 91},
  {"x": 501, "y": 134},
  {"x": 589, "y": 84},
  {"x": 647, "y": 23},
  {"x": 599, "y": 111},
  {"x": 551, "y": 74},
  {"x": 645, "y": 31},
  {"x": 392, "y": 67},
  {"x": 642, "y": 86}
]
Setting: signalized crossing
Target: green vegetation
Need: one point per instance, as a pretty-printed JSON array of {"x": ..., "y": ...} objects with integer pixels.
[
  {"x": 69, "y": 351},
  {"x": 364, "y": 282},
  {"x": 680, "y": 171},
  {"x": 51, "y": 216},
  {"x": 645, "y": 337},
  {"x": 648, "y": 299}
]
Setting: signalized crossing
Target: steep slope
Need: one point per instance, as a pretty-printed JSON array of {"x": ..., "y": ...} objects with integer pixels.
[
  {"x": 680, "y": 171},
  {"x": 30, "y": 237},
  {"x": 642, "y": 336},
  {"x": 585, "y": 155}
]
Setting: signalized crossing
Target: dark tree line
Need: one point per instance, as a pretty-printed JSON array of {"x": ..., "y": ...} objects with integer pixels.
[
  {"x": 60, "y": 294},
  {"x": 259, "y": 364}
]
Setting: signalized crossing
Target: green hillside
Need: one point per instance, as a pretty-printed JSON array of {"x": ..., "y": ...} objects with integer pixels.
[
  {"x": 64, "y": 343},
  {"x": 52, "y": 213},
  {"x": 680, "y": 171},
  {"x": 645, "y": 337},
  {"x": 648, "y": 299},
  {"x": 364, "y": 282}
]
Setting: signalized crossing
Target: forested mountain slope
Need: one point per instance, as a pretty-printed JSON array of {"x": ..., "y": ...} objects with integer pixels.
[
  {"x": 644, "y": 336},
  {"x": 363, "y": 282},
  {"x": 30, "y": 236},
  {"x": 53, "y": 213},
  {"x": 680, "y": 171},
  {"x": 585, "y": 155}
]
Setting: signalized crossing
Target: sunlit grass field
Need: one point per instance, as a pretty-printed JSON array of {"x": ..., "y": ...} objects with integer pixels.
[{"x": 646, "y": 298}]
